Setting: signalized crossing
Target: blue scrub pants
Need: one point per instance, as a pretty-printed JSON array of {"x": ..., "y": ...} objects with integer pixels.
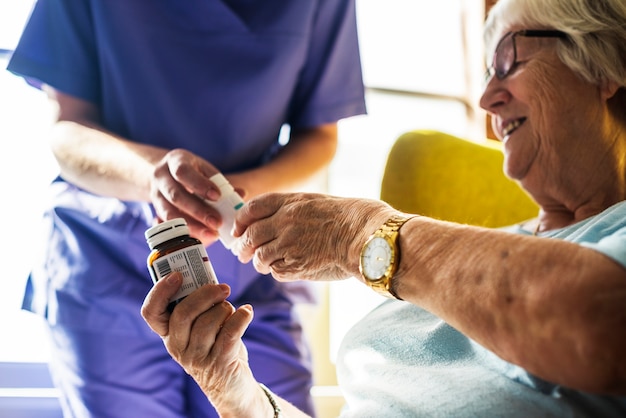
[{"x": 113, "y": 375}]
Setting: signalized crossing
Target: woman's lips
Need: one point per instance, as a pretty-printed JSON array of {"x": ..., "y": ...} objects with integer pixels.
[{"x": 510, "y": 127}]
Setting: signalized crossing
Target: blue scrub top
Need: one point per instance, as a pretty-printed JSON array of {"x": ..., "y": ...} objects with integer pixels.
[{"x": 216, "y": 78}]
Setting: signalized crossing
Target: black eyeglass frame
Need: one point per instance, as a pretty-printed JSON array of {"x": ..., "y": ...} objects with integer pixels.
[{"x": 529, "y": 33}]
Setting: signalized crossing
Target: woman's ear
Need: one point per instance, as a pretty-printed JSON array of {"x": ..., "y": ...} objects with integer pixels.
[
  {"x": 617, "y": 103},
  {"x": 608, "y": 89}
]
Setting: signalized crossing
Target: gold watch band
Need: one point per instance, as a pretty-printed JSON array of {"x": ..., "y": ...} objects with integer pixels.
[{"x": 391, "y": 230}]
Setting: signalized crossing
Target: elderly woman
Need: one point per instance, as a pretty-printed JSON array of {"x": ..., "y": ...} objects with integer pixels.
[{"x": 529, "y": 320}]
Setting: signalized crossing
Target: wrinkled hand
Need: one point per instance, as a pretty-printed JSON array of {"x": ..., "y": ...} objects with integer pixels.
[
  {"x": 304, "y": 236},
  {"x": 203, "y": 334},
  {"x": 179, "y": 186}
]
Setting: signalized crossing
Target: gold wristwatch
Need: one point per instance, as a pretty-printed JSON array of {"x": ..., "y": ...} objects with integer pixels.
[{"x": 380, "y": 256}]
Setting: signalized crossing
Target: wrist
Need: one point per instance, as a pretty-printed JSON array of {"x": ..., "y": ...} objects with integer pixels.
[
  {"x": 365, "y": 233},
  {"x": 364, "y": 223},
  {"x": 381, "y": 254},
  {"x": 271, "y": 400},
  {"x": 246, "y": 399}
]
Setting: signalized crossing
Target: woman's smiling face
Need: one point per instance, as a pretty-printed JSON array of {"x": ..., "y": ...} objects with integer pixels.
[{"x": 545, "y": 115}]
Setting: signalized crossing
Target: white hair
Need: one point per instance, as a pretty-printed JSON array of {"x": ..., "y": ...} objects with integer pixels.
[{"x": 596, "y": 44}]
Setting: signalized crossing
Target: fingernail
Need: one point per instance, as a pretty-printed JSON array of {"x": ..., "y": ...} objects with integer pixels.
[
  {"x": 224, "y": 288},
  {"x": 172, "y": 278},
  {"x": 213, "y": 194}
]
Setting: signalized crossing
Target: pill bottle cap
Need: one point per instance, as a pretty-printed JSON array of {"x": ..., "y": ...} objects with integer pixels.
[{"x": 165, "y": 231}]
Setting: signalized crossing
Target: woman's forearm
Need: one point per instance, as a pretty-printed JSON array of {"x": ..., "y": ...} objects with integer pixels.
[{"x": 527, "y": 299}]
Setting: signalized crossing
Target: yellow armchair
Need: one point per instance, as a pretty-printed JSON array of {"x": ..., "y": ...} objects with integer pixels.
[
  {"x": 441, "y": 176},
  {"x": 445, "y": 177}
]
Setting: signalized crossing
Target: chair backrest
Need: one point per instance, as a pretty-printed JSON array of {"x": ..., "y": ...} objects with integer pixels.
[{"x": 445, "y": 177}]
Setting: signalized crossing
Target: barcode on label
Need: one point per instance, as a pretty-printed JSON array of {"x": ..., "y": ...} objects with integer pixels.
[{"x": 163, "y": 267}]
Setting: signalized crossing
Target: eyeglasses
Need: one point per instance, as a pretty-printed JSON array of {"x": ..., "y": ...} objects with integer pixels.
[{"x": 505, "y": 56}]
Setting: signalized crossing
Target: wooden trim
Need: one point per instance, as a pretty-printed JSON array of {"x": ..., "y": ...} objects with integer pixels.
[{"x": 490, "y": 133}]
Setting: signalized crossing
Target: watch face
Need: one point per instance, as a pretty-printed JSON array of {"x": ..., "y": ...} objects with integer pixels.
[{"x": 376, "y": 258}]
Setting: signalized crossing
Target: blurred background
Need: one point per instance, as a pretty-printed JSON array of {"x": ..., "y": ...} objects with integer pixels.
[{"x": 422, "y": 64}]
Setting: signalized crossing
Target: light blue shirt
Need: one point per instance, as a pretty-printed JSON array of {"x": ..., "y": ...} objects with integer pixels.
[{"x": 402, "y": 361}]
